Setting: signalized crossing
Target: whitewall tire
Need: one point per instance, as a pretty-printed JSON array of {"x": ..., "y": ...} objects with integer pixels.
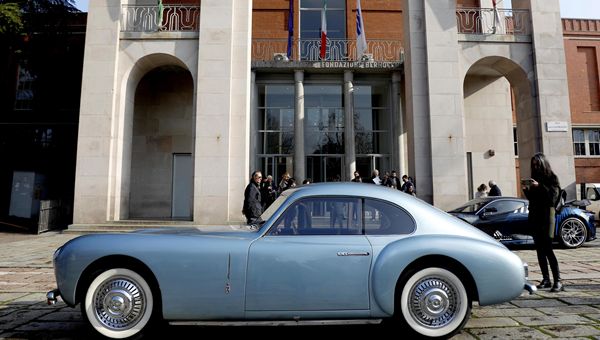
[
  {"x": 434, "y": 302},
  {"x": 118, "y": 303}
]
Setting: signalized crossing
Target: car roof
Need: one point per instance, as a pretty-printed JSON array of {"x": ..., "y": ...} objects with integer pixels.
[{"x": 343, "y": 188}]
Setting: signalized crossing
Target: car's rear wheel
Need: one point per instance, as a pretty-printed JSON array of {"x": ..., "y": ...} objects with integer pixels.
[
  {"x": 435, "y": 303},
  {"x": 118, "y": 303},
  {"x": 573, "y": 232}
]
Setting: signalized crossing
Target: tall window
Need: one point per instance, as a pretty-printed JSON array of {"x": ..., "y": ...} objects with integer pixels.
[
  {"x": 275, "y": 129},
  {"x": 25, "y": 82},
  {"x": 372, "y": 126},
  {"x": 324, "y": 132},
  {"x": 310, "y": 27},
  {"x": 586, "y": 142},
  {"x": 515, "y": 141}
]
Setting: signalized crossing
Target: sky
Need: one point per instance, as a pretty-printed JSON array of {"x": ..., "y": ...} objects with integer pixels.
[{"x": 581, "y": 9}]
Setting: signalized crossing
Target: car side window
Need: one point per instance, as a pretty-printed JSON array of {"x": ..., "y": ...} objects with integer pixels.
[
  {"x": 320, "y": 216},
  {"x": 383, "y": 218},
  {"x": 506, "y": 206},
  {"x": 591, "y": 194}
]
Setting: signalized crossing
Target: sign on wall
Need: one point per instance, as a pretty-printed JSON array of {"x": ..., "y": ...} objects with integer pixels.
[{"x": 557, "y": 126}]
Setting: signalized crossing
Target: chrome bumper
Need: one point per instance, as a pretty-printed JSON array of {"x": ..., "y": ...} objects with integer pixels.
[
  {"x": 52, "y": 296},
  {"x": 530, "y": 287}
]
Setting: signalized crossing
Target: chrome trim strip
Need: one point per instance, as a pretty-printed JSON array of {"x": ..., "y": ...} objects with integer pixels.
[{"x": 346, "y": 253}]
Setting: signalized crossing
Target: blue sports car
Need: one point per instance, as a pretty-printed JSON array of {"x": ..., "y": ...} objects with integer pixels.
[
  {"x": 323, "y": 251},
  {"x": 505, "y": 218}
]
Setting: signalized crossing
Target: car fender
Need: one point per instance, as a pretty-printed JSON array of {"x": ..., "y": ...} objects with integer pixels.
[{"x": 498, "y": 274}]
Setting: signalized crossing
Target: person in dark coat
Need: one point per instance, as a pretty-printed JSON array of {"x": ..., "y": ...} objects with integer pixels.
[
  {"x": 268, "y": 192},
  {"x": 356, "y": 178},
  {"x": 494, "y": 189},
  {"x": 542, "y": 191},
  {"x": 408, "y": 186},
  {"x": 252, "y": 199}
]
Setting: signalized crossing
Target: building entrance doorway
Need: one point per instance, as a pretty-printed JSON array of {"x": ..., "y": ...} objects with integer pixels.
[
  {"x": 324, "y": 168},
  {"x": 183, "y": 184}
]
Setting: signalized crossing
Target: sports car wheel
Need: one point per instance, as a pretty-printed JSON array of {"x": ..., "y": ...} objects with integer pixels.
[
  {"x": 572, "y": 232},
  {"x": 118, "y": 303},
  {"x": 435, "y": 303}
]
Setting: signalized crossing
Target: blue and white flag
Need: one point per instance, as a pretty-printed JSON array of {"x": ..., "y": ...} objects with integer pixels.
[{"x": 361, "y": 38}]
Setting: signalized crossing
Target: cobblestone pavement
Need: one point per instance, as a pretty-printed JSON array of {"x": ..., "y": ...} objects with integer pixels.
[{"x": 26, "y": 274}]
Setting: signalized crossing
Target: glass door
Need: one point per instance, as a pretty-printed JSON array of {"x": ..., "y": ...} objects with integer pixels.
[{"x": 325, "y": 168}]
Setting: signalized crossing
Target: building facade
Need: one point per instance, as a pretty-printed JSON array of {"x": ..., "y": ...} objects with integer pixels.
[
  {"x": 40, "y": 86},
  {"x": 180, "y": 105},
  {"x": 582, "y": 48}
]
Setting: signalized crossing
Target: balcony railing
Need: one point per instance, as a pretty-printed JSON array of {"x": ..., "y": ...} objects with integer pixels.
[
  {"x": 175, "y": 18},
  {"x": 490, "y": 21},
  {"x": 337, "y": 50}
]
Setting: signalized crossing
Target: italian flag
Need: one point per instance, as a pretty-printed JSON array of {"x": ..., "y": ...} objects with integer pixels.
[{"x": 324, "y": 30}]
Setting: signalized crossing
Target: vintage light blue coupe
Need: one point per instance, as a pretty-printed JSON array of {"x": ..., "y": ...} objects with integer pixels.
[{"x": 332, "y": 251}]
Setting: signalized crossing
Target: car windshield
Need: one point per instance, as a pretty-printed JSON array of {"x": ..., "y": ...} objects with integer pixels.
[
  {"x": 267, "y": 214},
  {"x": 472, "y": 206}
]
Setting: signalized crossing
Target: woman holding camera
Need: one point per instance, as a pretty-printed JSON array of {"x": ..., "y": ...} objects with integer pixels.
[{"x": 542, "y": 190}]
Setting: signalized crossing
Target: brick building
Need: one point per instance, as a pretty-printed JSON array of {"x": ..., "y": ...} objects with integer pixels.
[{"x": 582, "y": 50}]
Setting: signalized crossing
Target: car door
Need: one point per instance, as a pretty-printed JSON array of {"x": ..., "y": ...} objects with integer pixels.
[
  {"x": 314, "y": 258},
  {"x": 505, "y": 216}
]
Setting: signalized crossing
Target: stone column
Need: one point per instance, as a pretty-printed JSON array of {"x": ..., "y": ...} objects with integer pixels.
[
  {"x": 399, "y": 142},
  {"x": 299, "y": 156},
  {"x": 418, "y": 144},
  {"x": 446, "y": 114},
  {"x": 349, "y": 144},
  {"x": 254, "y": 119},
  {"x": 553, "y": 92},
  {"x": 222, "y": 143},
  {"x": 97, "y": 175}
]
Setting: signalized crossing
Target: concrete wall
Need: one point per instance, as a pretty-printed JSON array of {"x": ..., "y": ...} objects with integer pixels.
[
  {"x": 223, "y": 111},
  {"x": 162, "y": 126},
  {"x": 96, "y": 111},
  {"x": 489, "y": 126}
]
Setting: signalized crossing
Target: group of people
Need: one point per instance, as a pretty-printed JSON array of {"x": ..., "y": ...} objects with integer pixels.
[
  {"x": 482, "y": 190},
  {"x": 261, "y": 192},
  {"x": 407, "y": 185}
]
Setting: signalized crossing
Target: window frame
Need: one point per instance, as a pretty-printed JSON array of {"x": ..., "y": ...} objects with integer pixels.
[
  {"x": 282, "y": 216},
  {"x": 589, "y": 146}
]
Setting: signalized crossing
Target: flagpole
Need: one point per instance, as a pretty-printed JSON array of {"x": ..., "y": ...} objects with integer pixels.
[{"x": 290, "y": 29}]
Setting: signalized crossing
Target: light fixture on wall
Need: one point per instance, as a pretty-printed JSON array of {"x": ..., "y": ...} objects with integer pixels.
[
  {"x": 491, "y": 152},
  {"x": 280, "y": 57}
]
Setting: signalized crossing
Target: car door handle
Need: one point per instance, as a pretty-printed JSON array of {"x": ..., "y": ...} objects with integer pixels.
[{"x": 347, "y": 253}]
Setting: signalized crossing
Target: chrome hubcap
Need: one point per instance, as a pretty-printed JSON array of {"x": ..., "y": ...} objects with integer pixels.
[
  {"x": 434, "y": 302},
  {"x": 119, "y": 303}
]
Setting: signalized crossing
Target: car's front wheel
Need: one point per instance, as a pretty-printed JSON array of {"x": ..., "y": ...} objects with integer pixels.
[
  {"x": 435, "y": 303},
  {"x": 572, "y": 232},
  {"x": 118, "y": 303}
]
